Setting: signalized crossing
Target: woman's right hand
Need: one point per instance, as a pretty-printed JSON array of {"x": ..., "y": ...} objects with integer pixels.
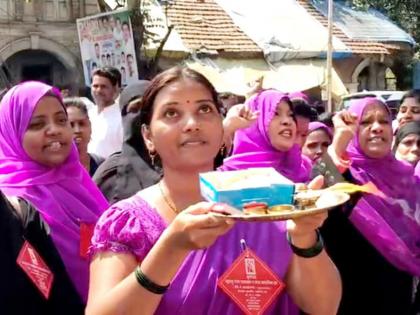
[
  {"x": 196, "y": 227},
  {"x": 113, "y": 287},
  {"x": 345, "y": 122},
  {"x": 345, "y": 128}
]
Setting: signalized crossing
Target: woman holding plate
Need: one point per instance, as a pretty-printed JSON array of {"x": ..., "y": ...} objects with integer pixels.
[{"x": 167, "y": 234}]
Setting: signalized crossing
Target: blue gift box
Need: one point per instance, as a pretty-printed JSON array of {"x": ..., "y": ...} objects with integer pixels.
[{"x": 237, "y": 188}]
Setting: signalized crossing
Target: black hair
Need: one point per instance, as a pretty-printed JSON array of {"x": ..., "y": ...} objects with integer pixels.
[
  {"x": 301, "y": 108},
  {"x": 165, "y": 78},
  {"x": 412, "y": 127},
  {"x": 412, "y": 94},
  {"x": 241, "y": 99},
  {"x": 75, "y": 102},
  {"x": 225, "y": 95},
  {"x": 111, "y": 73},
  {"x": 327, "y": 119}
]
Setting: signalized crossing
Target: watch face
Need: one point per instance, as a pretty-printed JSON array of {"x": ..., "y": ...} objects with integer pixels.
[{"x": 326, "y": 167}]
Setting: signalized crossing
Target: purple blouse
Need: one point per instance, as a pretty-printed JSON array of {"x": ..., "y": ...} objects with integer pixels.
[{"x": 133, "y": 226}]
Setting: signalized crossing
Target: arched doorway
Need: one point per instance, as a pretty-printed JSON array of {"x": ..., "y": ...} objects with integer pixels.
[
  {"x": 372, "y": 75},
  {"x": 36, "y": 57},
  {"x": 38, "y": 65},
  {"x": 363, "y": 80}
]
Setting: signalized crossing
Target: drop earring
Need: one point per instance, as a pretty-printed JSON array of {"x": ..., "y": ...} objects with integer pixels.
[{"x": 152, "y": 155}]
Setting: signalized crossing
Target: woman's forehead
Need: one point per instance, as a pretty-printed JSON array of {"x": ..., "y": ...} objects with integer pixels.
[
  {"x": 319, "y": 132},
  {"x": 176, "y": 92},
  {"x": 410, "y": 102},
  {"x": 412, "y": 136},
  {"x": 374, "y": 108},
  {"x": 48, "y": 105}
]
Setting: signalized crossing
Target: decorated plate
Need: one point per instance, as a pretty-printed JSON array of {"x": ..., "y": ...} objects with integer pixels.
[{"x": 326, "y": 200}]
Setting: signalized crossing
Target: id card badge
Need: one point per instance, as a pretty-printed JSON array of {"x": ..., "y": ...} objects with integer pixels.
[
  {"x": 251, "y": 284},
  {"x": 86, "y": 233},
  {"x": 36, "y": 269}
]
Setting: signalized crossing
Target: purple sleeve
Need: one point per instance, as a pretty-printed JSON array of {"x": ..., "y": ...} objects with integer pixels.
[{"x": 129, "y": 226}]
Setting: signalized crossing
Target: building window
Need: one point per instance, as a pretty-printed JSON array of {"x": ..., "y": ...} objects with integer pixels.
[
  {"x": 7, "y": 10},
  {"x": 57, "y": 10}
]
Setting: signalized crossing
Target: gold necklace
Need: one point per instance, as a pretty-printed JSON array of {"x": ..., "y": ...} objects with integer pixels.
[{"x": 169, "y": 203}]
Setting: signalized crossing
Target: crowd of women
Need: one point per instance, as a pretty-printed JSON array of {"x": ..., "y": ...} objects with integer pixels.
[{"x": 141, "y": 239}]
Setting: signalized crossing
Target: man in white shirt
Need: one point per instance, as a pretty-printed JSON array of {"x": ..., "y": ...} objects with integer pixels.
[{"x": 105, "y": 117}]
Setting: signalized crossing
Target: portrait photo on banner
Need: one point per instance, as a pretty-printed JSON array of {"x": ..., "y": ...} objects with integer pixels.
[{"x": 107, "y": 40}]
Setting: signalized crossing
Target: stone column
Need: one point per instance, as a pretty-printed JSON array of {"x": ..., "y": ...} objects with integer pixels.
[
  {"x": 373, "y": 74},
  {"x": 380, "y": 79}
]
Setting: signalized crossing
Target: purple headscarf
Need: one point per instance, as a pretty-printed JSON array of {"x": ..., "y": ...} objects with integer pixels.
[
  {"x": 299, "y": 96},
  {"x": 252, "y": 146},
  {"x": 64, "y": 195},
  {"x": 315, "y": 125},
  {"x": 391, "y": 224}
]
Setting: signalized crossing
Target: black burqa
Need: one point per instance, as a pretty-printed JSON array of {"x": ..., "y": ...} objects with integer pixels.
[
  {"x": 18, "y": 294},
  {"x": 125, "y": 173}
]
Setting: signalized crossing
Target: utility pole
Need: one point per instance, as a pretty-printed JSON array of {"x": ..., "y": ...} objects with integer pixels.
[{"x": 329, "y": 57}]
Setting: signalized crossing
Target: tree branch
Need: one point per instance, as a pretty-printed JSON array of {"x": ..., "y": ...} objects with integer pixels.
[
  {"x": 162, "y": 43},
  {"x": 133, "y": 4},
  {"x": 103, "y": 6}
]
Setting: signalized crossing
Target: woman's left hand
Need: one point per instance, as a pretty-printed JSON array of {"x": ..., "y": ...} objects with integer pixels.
[
  {"x": 302, "y": 230},
  {"x": 239, "y": 117}
]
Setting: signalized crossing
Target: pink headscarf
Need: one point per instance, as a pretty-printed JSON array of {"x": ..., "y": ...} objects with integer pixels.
[
  {"x": 316, "y": 125},
  {"x": 299, "y": 96},
  {"x": 252, "y": 146},
  {"x": 391, "y": 224},
  {"x": 64, "y": 195}
]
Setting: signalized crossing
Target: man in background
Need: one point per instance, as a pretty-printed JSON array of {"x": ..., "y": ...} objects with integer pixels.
[{"x": 107, "y": 133}]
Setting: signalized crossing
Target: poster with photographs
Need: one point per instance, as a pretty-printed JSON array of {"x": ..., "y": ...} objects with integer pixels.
[{"x": 107, "y": 40}]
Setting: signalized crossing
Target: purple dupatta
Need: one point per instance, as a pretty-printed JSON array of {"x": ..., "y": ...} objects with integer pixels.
[
  {"x": 252, "y": 146},
  {"x": 65, "y": 195},
  {"x": 391, "y": 225},
  {"x": 316, "y": 125}
]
